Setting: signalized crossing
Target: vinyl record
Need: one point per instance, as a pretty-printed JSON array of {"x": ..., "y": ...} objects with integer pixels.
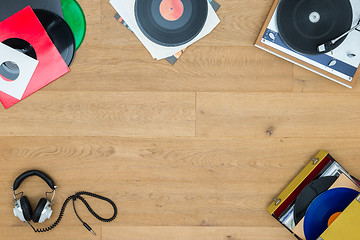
[
  {"x": 327, "y": 204},
  {"x": 75, "y": 17},
  {"x": 22, "y": 46},
  {"x": 171, "y": 22},
  {"x": 59, "y": 33},
  {"x": 306, "y": 24},
  {"x": 309, "y": 193},
  {"x": 10, "y": 7}
]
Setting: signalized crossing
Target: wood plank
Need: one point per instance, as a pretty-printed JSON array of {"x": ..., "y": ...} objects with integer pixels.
[
  {"x": 203, "y": 69},
  {"x": 199, "y": 69},
  {"x": 93, "y": 18},
  {"x": 306, "y": 81},
  {"x": 278, "y": 115},
  {"x": 199, "y": 233},
  {"x": 22, "y": 231},
  {"x": 170, "y": 159},
  {"x": 100, "y": 114}
]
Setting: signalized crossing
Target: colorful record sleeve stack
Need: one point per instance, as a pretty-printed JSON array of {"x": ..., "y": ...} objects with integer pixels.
[
  {"x": 321, "y": 202},
  {"x": 38, "y": 40},
  {"x": 167, "y": 27}
]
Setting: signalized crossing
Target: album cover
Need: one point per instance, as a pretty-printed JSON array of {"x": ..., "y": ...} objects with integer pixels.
[
  {"x": 172, "y": 59},
  {"x": 294, "y": 38}
]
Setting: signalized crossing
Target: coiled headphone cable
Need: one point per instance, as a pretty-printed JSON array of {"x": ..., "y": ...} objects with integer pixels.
[{"x": 74, "y": 198}]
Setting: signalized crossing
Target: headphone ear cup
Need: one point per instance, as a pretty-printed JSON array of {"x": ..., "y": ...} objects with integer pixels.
[
  {"x": 39, "y": 208},
  {"x": 26, "y": 208}
]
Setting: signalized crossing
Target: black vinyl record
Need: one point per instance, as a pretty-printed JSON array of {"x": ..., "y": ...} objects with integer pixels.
[
  {"x": 59, "y": 33},
  {"x": 309, "y": 193},
  {"x": 22, "y": 46},
  {"x": 10, "y": 7},
  {"x": 306, "y": 24},
  {"x": 171, "y": 22}
]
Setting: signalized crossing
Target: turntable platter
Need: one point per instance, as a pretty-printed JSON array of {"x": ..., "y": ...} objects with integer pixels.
[{"x": 306, "y": 24}]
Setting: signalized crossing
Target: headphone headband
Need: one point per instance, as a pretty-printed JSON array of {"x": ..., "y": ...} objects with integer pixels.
[{"x": 30, "y": 173}]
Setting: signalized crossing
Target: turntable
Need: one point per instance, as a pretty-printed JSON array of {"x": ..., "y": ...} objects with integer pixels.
[
  {"x": 320, "y": 35},
  {"x": 321, "y": 203}
]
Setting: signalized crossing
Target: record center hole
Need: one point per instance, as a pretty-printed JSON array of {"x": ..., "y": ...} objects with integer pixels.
[
  {"x": 171, "y": 10},
  {"x": 9, "y": 71},
  {"x": 314, "y": 17}
]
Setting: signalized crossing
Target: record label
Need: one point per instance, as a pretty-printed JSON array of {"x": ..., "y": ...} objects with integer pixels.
[{"x": 171, "y": 10}]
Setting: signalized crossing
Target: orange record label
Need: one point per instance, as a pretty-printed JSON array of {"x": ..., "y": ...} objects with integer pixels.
[{"x": 171, "y": 10}]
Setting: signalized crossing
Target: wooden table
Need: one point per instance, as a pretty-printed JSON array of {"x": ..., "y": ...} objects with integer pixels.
[{"x": 193, "y": 151}]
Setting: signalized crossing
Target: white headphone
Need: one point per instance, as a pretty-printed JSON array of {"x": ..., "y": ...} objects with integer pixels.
[{"x": 23, "y": 209}]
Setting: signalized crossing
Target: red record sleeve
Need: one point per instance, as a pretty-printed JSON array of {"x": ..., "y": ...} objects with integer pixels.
[{"x": 25, "y": 25}]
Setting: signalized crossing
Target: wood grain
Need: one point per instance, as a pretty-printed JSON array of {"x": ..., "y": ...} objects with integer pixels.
[
  {"x": 306, "y": 81},
  {"x": 191, "y": 151},
  {"x": 278, "y": 114},
  {"x": 101, "y": 114},
  {"x": 200, "y": 233}
]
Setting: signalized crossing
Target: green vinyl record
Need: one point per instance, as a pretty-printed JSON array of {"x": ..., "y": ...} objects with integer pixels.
[{"x": 75, "y": 17}]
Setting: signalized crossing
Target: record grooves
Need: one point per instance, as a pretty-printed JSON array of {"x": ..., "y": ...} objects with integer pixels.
[
  {"x": 164, "y": 28},
  {"x": 75, "y": 17},
  {"x": 309, "y": 193},
  {"x": 306, "y": 24},
  {"x": 59, "y": 32}
]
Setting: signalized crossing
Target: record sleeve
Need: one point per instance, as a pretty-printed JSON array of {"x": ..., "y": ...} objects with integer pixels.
[
  {"x": 16, "y": 87},
  {"x": 26, "y": 26}
]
